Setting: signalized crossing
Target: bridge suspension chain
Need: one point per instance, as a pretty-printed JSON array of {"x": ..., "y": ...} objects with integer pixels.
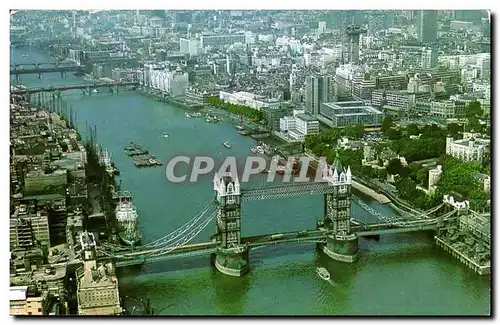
[
  {"x": 165, "y": 239},
  {"x": 186, "y": 239},
  {"x": 181, "y": 230},
  {"x": 434, "y": 209},
  {"x": 425, "y": 221},
  {"x": 370, "y": 210},
  {"x": 164, "y": 250}
]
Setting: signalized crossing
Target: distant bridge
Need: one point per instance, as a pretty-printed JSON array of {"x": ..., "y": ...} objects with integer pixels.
[
  {"x": 88, "y": 87},
  {"x": 39, "y": 70}
]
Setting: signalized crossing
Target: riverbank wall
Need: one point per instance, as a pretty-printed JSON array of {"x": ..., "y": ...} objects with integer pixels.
[{"x": 370, "y": 192}]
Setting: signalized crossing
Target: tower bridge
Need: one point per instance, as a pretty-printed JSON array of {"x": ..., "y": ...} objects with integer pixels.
[{"x": 336, "y": 234}]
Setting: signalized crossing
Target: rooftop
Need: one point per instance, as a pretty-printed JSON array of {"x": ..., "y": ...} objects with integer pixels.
[
  {"x": 18, "y": 293},
  {"x": 305, "y": 117}
]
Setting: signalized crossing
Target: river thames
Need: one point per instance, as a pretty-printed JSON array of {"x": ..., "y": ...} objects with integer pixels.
[{"x": 402, "y": 274}]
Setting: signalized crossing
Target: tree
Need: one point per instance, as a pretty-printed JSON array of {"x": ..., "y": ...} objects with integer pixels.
[
  {"x": 394, "y": 166},
  {"x": 404, "y": 172},
  {"x": 348, "y": 131},
  {"x": 475, "y": 125},
  {"x": 474, "y": 110},
  {"x": 454, "y": 129},
  {"x": 412, "y": 129},
  {"x": 405, "y": 187},
  {"x": 423, "y": 176},
  {"x": 359, "y": 130},
  {"x": 354, "y": 131},
  {"x": 393, "y": 134},
  {"x": 387, "y": 123}
]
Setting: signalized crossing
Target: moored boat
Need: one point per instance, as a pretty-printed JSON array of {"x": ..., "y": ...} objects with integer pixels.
[
  {"x": 323, "y": 273},
  {"x": 128, "y": 220}
]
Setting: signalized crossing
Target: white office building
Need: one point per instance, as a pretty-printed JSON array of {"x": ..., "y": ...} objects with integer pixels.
[
  {"x": 174, "y": 83},
  {"x": 248, "y": 99},
  {"x": 298, "y": 126},
  {"x": 189, "y": 46}
]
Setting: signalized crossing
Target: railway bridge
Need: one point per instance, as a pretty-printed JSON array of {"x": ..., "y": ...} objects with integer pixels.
[
  {"x": 87, "y": 89},
  {"x": 41, "y": 68},
  {"x": 336, "y": 233}
]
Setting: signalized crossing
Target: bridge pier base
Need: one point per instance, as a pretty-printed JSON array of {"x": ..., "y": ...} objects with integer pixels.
[
  {"x": 232, "y": 261},
  {"x": 342, "y": 248}
]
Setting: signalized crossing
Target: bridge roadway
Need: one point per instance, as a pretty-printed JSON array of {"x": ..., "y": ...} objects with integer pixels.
[
  {"x": 199, "y": 249},
  {"x": 33, "y": 90},
  {"x": 286, "y": 190},
  {"x": 47, "y": 70},
  {"x": 307, "y": 236}
]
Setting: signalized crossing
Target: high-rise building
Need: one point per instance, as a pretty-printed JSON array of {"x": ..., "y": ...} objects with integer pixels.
[
  {"x": 318, "y": 90},
  {"x": 353, "y": 32},
  {"x": 486, "y": 68},
  {"x": 322, "y": 27},
  {"x": 429, "y": 58},
  {"x": 427, "y": 26},
  {"x": 182, "y": 19},
  {"x": 486, "y": 27},
  {"x": 388, "y": 19},
  {"x": 189, "y": 46}
]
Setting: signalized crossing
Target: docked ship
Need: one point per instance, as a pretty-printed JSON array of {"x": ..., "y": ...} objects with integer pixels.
[
  {"x": 128, "y": 220},
  {"x": 105, "y": 161}
]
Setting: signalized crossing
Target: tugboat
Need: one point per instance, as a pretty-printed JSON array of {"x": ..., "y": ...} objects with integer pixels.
[
  {"x": 323, "y": 273},
  {"x": 227, "y": 145},
  {"x": 128, "y": 220}
]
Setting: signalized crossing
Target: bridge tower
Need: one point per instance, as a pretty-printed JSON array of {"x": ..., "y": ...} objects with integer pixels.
[
  {"x": 341, "y": 244},
  {"x": 231, "y": 257}
]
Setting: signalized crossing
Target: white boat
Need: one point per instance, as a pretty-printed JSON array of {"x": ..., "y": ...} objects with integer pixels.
[
  {"x": 128, "y": 219},
  {"x": 323, "y": 273},
  {"x": 95, "y": 90},
  {"x": 227, "y": 145},
  {"x": 165, "y": 135},
  {"x": 187, "y": 115}
]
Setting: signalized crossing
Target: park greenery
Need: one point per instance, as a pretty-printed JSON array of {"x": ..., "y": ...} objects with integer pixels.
[
  {"x": 419, "y": 145},
  {"x": 236, "y": 109}
]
